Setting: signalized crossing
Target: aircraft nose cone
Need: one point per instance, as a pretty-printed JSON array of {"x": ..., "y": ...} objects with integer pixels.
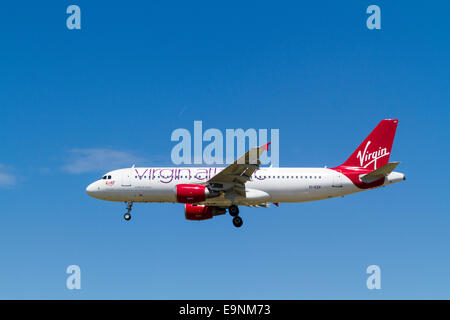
[{"x": 91, "y": 189}]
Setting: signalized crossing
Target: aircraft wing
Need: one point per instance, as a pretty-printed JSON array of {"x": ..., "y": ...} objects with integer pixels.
[{"x": 240, "y": 171}]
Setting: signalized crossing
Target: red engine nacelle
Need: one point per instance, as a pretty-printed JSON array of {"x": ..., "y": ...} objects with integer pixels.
[
  {"x": 193, "y": 212},
  {"x": 191, "y": 193}
]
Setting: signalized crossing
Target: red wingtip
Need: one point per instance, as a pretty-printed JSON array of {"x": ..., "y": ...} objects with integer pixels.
[
  {"x": 276, "y": 203},
  {"x": 266, "y": 146}
]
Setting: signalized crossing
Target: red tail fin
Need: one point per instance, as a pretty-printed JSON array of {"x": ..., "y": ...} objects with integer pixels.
[{"x": 374, "y": 152}]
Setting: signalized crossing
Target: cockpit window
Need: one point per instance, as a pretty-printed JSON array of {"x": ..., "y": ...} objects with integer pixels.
[
  {"x": 104, "y": 177},
  {"x": 109, "y": 177}
]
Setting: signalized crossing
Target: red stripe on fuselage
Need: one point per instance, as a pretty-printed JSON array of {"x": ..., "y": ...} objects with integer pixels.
[{"x": 353, "y": 173}]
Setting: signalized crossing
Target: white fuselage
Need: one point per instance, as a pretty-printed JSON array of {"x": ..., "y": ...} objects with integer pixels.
[{"x": 267, "y": 185}]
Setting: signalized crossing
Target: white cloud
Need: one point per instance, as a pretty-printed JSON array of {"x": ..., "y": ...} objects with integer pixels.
[
  {"x": 7, "y": 179},
  {"x": 98, "y": 159}
]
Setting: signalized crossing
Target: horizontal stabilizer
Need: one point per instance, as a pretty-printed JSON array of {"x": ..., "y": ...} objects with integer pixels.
[{"x": 379, "y": 173}]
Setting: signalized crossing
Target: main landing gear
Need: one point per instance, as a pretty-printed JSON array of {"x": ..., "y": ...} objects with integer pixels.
[
  {"x": 237, "y": 221},
  {"x": 127, "y": 216},
  {"x": 234, "y": 212}
]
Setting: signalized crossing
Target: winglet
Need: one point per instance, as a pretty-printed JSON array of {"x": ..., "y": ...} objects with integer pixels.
[
  {"x": 266, "y": 146},
  {"x": 277, "y": 204}
]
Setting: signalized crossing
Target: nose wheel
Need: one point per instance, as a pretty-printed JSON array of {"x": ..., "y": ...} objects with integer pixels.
[
  {"x": 127, "y": 215},
  {"x": 234, "y": 212}
]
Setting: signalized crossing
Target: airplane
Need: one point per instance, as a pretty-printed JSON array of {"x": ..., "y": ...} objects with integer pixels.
[{"x": 209, "y": 192}]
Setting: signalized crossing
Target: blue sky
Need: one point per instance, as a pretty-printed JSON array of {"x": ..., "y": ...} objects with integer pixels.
[{"x": 74, "y": 104}]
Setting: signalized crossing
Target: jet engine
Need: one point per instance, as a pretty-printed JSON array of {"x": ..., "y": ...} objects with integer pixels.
[
  {"x": 198, "y": 212},
  {"x": 193, "y": 193}
]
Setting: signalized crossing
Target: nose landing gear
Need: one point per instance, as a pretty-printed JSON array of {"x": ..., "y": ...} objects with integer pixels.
[
  {"x": 127, "y": 215},
  {"x": 234, "y": 212}
]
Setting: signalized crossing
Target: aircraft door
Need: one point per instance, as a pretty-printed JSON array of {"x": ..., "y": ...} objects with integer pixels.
[
  {"x": 337, "y": 180},
  {"x": 126, "y": 179}
]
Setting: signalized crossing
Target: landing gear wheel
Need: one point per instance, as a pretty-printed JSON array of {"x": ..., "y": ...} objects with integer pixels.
[
  {"x": 237, "y": 221},
  {"x": 127, "y": 216},
  {"x": 233, "y": 210}
]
